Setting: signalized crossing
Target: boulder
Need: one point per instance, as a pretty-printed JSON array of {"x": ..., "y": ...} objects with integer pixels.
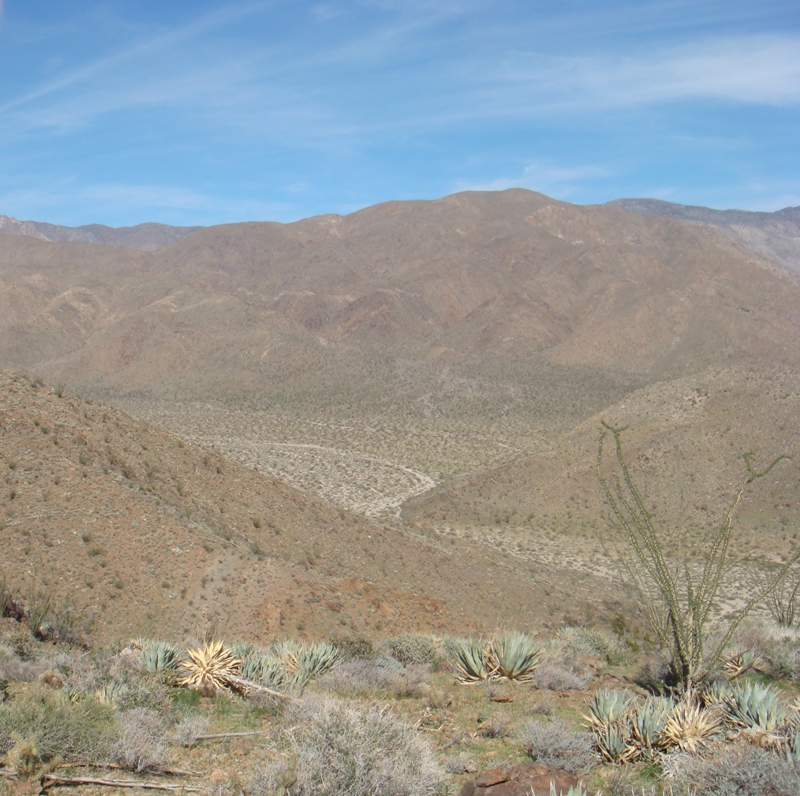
[{"x": 529, "y": 779}]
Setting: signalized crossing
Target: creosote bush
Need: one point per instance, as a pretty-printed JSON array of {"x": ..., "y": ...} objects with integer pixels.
[
  {"x": 552, "y": 742},
  {"x": 352, "y": 749}
]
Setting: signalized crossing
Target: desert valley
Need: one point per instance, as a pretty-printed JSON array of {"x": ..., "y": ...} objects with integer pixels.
[{"x": 388, "y": 422}]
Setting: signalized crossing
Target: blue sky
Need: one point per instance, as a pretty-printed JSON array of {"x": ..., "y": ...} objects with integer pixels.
[{"x": 207, "y": 112}]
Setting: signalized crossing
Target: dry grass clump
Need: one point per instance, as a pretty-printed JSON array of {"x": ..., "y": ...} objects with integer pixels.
[
  {"x": 359, "y": 749},
  {"x": 142, "y": 745},
  {"x": 552, "y": 742},
  {"x": 84, "y": 729},
  {"x": 362, "y": 677},
  {"x": 732, "y": 771}
]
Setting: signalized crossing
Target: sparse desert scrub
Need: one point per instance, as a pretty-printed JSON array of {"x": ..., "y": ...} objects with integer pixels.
[
  {"x": 142, "y": 744},
  {"x": 732, "y": 771},
  {"x": 83, "y": 729}
]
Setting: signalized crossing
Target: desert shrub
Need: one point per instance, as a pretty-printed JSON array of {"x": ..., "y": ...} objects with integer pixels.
[
  {"x": 13, "y": 668},
  {"x": 355, "y": 647},
  {"x": 142, "y": 742},
  {"x": 189, "y": 729},
  {"x": 83, "y": 729},
  {"x": 557, "y": 678},
  {"x": 68, "y": 624},
  {"x": 347, "y": 749},
  {"x": 411, "y": 648},
  {"x": 733, "y": 771},
  {"x": 653, "y": 675},
  {"x": 274, "y": 778},
  {"x": 365, "y": 677},
  {"x": 553, "y": 743},
  {"x": 495, "y": 727},
  {"x": 577, "y": 641},
  {"x": 783, "y": 658}
]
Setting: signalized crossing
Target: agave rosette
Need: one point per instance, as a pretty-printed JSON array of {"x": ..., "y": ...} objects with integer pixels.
[
  {"x": 689, "y": 726},
  {"x": 210, "y": 668}
]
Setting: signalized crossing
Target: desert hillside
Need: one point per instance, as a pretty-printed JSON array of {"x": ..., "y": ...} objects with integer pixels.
[{"x": 148, "y": 534}]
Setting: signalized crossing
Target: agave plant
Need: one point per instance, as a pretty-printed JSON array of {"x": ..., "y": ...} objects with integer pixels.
[
  {"x": 607, "y": 708},
  {"x": 689, "y": 726},
  {"x": 516, "y": 656},
  {"x": 314, "y": 660},
  {"x": 474, "y": 662},
  {"x": 647, "y": 723},
  {"x": 713, "y": 695},
  {"x": 159, "y": 656},
  {"x": 754, "y": 707},
  {"x": 210, "y": 668},
  {"x": 263, "y": 668},
  {"x": 740, "y": 662},
  {"x": 110, "y": 694}
]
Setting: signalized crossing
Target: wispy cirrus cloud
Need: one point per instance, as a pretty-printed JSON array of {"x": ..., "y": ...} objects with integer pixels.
[{"x": 359, "y": 94}]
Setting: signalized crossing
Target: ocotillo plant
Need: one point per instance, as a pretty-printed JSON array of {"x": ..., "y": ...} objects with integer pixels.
[{"x": 681, "y": 619}]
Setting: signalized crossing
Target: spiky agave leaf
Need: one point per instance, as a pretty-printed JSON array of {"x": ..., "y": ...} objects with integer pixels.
[
  {"x": 689, "y": 726},
  {"x": 473, "y": 661},
  {"x": 738, "y": 663},
  {"x": 313, "y": 660},
  {"x": 713, "y": 695},
  {"x": 209, "y": 667},
  {"x": 516, "y": 656},
  {"x": 614, "y": 743},
  {"x": 263, "y": 668}
]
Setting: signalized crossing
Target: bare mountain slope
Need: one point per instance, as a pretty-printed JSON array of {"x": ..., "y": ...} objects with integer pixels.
[
  {"x": 511, "y": 273},
  {"x": 775, "y": 235}
]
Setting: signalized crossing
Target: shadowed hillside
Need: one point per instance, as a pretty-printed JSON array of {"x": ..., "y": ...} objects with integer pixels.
[{"x": 775, "y": 235}]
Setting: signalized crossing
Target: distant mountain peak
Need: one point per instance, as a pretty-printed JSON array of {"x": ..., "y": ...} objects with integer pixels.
[{"x": 145, "y": 237}]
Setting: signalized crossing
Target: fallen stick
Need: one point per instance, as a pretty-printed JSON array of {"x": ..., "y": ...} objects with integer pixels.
[
  {"x": 226, "y": 735},
  {"x": 55, "y": 779},
  {"x": 171, "y": 772},
  {"x": 7, "y": 774}
]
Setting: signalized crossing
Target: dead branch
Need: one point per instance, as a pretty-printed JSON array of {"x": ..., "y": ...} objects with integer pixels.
[
  {"x": 226, "y": 735},
  {"x": 48, "y": 780}
]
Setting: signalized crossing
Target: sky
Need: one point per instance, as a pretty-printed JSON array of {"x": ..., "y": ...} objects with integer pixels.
[{"x": 206, "y": 112}]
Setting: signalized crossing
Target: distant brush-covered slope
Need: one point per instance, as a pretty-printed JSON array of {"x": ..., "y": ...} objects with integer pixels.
[
  {"x": 146, "y": 237},
  {"x": 776, "y": 235}
]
